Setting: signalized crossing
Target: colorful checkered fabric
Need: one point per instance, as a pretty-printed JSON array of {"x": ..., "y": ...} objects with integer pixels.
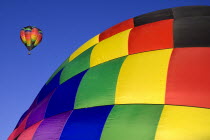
[{"x": 146, "y": 78}]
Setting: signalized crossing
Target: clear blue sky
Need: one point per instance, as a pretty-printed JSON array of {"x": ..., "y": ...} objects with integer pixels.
[{"x": 66, "y": 25}]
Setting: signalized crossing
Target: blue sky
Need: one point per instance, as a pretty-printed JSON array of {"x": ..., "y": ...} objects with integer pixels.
[{"x": 66, "y": 25}]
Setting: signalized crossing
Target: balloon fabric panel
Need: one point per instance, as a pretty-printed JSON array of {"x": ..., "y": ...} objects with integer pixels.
[
  {"x": 99, "y": 83},
  {"x": 29, "y": 133},
  {"x": 28, "y": 39},
  {"x": 79, "y": 64},
  {"x": 192, "y": 32},
  {"x": 121, "y": 123},
  {"x": 65, "y": 94},
  {"x": 51, "y": 128},
  {"x": 38, "y": 112},
  {"x": 153, "y": 36},
  {"x": 34, "y": 34},
  {"x": 110, "y": 48},
  {"x": 140, "y": 75},
  {"x": 153, "y": 17},
  {"x": 189, "y": 67},
  {"x": 88, "y": 121},
  {"x": 183, "y": 123},
  {"x": 190, "y": 11},
  {"x": 38, "y": 39},
  {"x": 22, "y": 36}
]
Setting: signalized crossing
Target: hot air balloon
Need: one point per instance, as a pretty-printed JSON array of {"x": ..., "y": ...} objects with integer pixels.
[
  {"x": 31, "y": 37},
  {"x": 146, "y": 78}
]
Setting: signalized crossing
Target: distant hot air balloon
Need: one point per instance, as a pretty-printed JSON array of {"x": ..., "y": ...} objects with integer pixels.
[{"x": 31, "y": 37}]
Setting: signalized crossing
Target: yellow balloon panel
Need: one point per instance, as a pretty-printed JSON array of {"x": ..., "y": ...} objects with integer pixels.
[
  {"x": 84, "y": 47},
  {"x": 110, "y": 48},
  {"x": 142, "y": 78},
  {"x": 183, "y": 123}
]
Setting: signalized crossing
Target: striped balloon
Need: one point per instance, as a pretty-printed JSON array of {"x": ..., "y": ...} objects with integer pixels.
[{"x": 146, "y": 78}]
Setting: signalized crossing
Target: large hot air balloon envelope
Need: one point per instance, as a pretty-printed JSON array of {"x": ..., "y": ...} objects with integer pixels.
[
  {"x": 146, "y": 78},
  {"x": 31, "y": 37}
]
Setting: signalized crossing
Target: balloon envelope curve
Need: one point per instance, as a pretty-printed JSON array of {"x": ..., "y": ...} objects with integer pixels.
[{"x": 145, "y": 78}]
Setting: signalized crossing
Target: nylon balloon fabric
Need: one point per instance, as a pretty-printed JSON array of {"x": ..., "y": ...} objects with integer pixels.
[{"x": 146, "y": 78}]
